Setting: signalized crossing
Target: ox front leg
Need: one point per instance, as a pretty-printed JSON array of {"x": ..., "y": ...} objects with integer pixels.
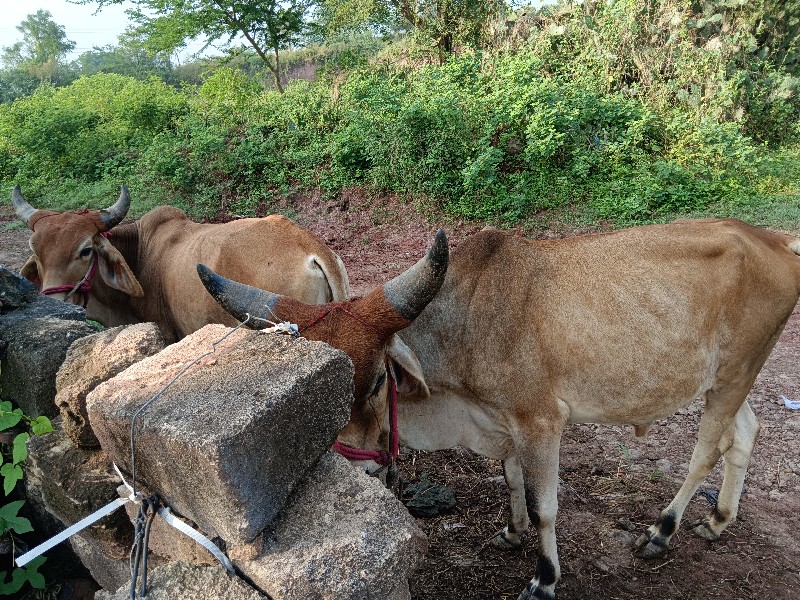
[
  {"x": 518, "y": 523},
  {"x": 713, "y": 439},
  {"x": 737, "y": 448},
  {"x": 539, "y": 460}
]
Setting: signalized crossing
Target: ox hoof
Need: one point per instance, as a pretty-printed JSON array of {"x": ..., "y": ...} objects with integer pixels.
[
  {"x": 506, "y": 540},
  {"x": 533, "y": 592},
  {"x": 650, "y": 546},
  {"x": 704, "y": 529}
]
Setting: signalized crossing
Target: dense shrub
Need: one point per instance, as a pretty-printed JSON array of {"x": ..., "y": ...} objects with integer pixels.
[
  {"x": 614, "y": 110},
  {"x": 92, "y": 130}
]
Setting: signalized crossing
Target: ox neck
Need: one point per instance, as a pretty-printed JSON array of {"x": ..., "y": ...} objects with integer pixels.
[
  {"x": 107, "y": 305},
  {"x": 125, "y": 238}
]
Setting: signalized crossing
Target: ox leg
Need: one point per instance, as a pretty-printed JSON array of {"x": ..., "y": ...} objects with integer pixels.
[
  {"x": 737, "y": 448},
  {"x": 716, "y": 420},
  {"x": 518, "y": 523},
  {"x": 540, "y": 466}
]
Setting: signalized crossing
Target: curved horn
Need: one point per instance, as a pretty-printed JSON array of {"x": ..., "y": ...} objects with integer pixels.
[
  {"x": 24, "y": 210},
  {"x": 410, "y": 292},
  {"x": 239, "y": 299},
  {"x": 112, "y": 215}
]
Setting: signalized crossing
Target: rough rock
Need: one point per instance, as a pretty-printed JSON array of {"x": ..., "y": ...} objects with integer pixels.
[
  {"x": 228, "y": 441},
  {"x": 92, "y": 360},
  {"x": 111, "y": 573},
  {"x": 15, "y": 291},
  {"x": 36, "y": 349},
  {"x": 20, "y": 301},
  {"x": 183, "y": 581},
  {"x": 342, "y": 536},
  {"x": 169, "y": 543},
  {"x": 71, "y": 483}
]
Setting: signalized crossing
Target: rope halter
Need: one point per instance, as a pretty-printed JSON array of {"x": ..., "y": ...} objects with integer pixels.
[
  {"x": 84, "y": 286},
  {"x": 381, "y": 457}
]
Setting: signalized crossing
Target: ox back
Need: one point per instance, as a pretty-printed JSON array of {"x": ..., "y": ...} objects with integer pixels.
[
  {"x": 147, "y": 269},
  {"x": 624, "y": 327}
]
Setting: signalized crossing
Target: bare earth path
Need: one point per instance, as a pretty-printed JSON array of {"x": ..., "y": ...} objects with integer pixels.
[{"x": 613, "y": 484}]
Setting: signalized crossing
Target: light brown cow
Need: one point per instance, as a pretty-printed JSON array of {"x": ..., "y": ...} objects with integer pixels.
[
  {"x": 147, "y": 269},
  {"x": 525, "y": 337}
]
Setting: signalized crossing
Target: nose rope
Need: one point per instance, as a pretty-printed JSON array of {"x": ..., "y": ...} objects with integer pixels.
[
  {"x": 381, "y": 457},
  {"x": 84, "y": 286}
]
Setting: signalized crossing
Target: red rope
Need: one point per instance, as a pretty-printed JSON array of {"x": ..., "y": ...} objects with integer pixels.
[
  {"x": 381, "y": 457},
  {"x": 345, "y": 308},
  {"x": 84, "y": 286}
]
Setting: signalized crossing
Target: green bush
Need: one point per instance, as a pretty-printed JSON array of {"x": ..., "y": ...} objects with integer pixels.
[
  {"x": 93, "y": 129},
  {"x": 611, "y": 110}
]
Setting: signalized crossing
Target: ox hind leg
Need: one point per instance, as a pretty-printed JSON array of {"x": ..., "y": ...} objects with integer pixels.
[
  {"x": 717, "y": 431},
  {"x": 518, "y": 523},
  {"x": 737, "y": 447}
]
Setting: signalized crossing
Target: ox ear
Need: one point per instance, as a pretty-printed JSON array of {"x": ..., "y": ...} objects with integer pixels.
[
  {"x": 114, "y": 270},
  {"x": 30, "y": 271},
  {"x": 407, "y": 370}
]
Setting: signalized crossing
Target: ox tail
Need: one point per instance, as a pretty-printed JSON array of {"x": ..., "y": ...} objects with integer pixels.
[{"x": 335, "y": 277}]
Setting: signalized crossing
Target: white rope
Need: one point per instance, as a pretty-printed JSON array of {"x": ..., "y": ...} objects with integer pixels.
[
  {"x": 170, "y": 518},
  {"x": 198, "y": 537},
  {"x": 70, "y": 531}
]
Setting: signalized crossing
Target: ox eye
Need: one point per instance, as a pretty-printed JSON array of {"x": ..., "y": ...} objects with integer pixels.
[
  {"x": 379, "y": 383},
  {"x": 86, "y": 252}
]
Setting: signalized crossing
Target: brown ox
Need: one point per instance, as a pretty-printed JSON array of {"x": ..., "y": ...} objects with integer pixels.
[
  {"x": 525, "y": 337},
  {"x": 146, "y": 269}
]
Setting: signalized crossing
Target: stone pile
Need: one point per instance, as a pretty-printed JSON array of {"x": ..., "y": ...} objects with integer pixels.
[{"x": 237, "y": 446}]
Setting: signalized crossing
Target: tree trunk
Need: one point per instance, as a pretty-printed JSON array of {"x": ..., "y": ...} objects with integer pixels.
[{"x": 277, "y": 71}]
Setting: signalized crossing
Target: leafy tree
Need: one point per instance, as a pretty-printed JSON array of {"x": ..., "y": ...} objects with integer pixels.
[
  {"x": 130, "y": 57},
  {"x": 267, "y": 26},
  {"x": 441, "y": 24},
  {"x": 42, "y": 50},
  {"x": 15, "y": 83}
]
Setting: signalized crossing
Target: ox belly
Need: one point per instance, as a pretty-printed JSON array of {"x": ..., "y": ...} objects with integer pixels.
[{"x": 447, "y": 420}]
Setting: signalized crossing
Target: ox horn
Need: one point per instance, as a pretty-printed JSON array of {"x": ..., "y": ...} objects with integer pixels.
[
  {"x": 113, "y": 215},
  {"x": 239, "y": 299},
  {"x": 24, "y": 210},
  {"x": 410, "y": 292}
]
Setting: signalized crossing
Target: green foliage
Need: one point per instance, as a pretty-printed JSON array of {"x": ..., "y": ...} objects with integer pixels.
[
  {"x": 19, "y": 576},
  {"x": 130, "y": 58},
  {"x": 442, "y": 27},
  {"x": 38, "y": 58},
  {"x": 12, "y": 470},
  {"x": 729, "y": 60},
  {"x": 630, "y": 111},
  {"x": 91, "y": 130},
  {"x": 44, "y": 42},
  {"x": 15, "y": 83},
  {"x": 11, "y": 522}
]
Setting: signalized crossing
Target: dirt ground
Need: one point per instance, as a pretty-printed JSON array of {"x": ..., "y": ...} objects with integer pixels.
[{"x": 613, "y": 485}]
